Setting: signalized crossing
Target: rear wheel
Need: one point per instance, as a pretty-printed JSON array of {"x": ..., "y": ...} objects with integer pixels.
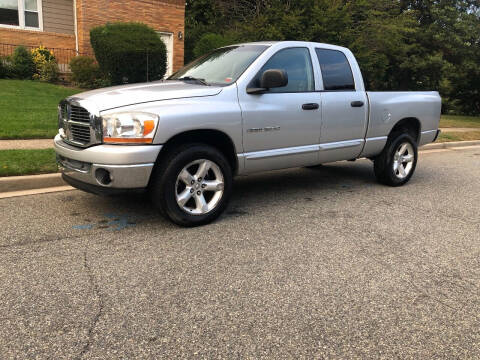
[
  {"x": 396, "y": 164},
  {"x": 192, "y": 185}
]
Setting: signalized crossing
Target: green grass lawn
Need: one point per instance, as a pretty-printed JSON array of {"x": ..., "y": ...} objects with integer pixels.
[
  {"x": 459, "y": 121},
  {"x": 28, "y": 109},
  {"x": 459, "y": 136},
  {"x": 27, "y": 162}
]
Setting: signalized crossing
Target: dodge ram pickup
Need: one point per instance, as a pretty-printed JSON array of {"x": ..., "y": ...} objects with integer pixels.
[{"x": 238, "y": 110}]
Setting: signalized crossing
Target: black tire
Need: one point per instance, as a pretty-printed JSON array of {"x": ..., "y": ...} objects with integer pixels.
[
  {"x": 384, "y": 163},
  {"x": 163, "y": 185}
]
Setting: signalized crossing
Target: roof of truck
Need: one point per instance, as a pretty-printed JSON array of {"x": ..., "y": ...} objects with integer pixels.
[{"x": 293, "y": 43}]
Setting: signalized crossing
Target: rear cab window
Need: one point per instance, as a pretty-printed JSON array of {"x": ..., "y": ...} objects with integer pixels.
[{"x": 336, "y": 71}]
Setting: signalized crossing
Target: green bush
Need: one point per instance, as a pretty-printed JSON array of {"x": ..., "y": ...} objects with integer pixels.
[
  {"x": 4, "y": 68},
  {"x": 121, "y": 50},
  {"x": 23, "y": 66},
  {"x": 85, "y": 71},
  {"x": 101, "y": 82},
  {"x": 46, "y": 67},
  {"x": 209, "y": 42},
  {"x": 48, "y": 71}
]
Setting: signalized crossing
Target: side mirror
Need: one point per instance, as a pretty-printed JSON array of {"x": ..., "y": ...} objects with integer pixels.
[{"x": 273, "y": 78}]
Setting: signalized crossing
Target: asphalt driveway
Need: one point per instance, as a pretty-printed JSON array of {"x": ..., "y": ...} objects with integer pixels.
[{"x": 321, "y": 263}]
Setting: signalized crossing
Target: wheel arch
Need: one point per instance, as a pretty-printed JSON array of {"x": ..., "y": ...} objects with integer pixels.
[
  {"x": 410, "y": 125},
  {"x": 212, "y": 137}
]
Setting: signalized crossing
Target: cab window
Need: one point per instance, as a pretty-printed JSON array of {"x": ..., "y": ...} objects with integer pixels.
[
  {"x": 336, "y": 71},
  {"x": 298, "y": 65}
]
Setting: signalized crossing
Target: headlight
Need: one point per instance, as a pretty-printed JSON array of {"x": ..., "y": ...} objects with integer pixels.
[{"x": 129, "y": 127}]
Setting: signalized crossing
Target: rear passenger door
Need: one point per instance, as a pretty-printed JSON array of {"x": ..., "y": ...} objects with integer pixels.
[{"x": 344, "y": 108}]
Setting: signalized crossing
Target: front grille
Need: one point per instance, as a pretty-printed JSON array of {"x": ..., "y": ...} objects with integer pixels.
[
  {"x": 76, "y": 123},
  {"x": 79, "y": 114},
  {"x": 80, "y": 133}
]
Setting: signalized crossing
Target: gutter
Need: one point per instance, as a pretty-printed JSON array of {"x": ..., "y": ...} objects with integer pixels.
[{"x": 76, "y": 24}]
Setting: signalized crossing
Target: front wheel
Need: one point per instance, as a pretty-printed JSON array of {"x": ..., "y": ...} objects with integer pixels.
[
  {"x": 192, "y": 185},
  {"x": 398, "y": 160}
]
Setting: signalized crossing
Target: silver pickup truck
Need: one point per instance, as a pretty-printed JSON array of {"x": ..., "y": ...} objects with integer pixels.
[{"x": 238, "y": 110}]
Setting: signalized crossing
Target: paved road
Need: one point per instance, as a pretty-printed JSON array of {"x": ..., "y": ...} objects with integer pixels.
[{"x": 306, "y": 264}]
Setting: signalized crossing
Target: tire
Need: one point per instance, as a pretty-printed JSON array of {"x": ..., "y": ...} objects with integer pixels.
[
  {"x": 214, "y": 186},
  {"x": 388, "y": 167}
]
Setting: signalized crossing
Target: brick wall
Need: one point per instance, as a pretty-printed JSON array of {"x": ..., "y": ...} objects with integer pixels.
[
  {"x": 37, "y": 38},
  {"x": 162, "y": 15}
]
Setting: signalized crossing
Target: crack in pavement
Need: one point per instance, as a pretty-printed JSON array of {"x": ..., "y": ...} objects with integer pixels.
[
  {"x": 43, "y": 240},
  {"x": 98, "y": 295}
]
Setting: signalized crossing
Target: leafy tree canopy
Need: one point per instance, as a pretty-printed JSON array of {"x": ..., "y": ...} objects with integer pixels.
[{"x": 400, "y": 44}]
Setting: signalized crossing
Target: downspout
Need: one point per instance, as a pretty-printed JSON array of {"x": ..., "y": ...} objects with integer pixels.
[{"x": 76, "y": 25}]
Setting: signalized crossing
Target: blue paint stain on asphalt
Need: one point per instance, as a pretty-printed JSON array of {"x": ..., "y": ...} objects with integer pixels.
[
  {"x": 83, "y": 227},
  {"x": 119, "y": 222},
  {"x": 116, "y": 223}
]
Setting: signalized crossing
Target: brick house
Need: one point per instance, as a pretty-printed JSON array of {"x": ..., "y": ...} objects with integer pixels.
[{"x": 64, "y": 25}]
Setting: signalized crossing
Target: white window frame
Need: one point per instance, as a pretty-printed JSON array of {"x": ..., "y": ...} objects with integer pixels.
[
  {"x": 21, "y": 17},
  {"x": 170, "y": 50}
]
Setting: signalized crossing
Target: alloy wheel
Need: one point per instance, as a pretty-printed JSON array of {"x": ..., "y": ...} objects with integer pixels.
[
  {"x": 403, "y": 160},
  {"x": 199, "y": 187}
]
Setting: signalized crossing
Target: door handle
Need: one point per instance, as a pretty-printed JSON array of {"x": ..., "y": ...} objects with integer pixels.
[
  {"x": 357, "y": 103},
  {"x": 312, "y": 106}
]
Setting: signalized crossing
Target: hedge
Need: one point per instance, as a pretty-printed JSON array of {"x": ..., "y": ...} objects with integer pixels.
[
  {"x": 23, "y": 66},
  {"x": 124, "y": 50}
]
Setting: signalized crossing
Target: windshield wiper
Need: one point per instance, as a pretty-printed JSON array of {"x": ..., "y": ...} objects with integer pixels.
[{"x": 191, "y": 78}]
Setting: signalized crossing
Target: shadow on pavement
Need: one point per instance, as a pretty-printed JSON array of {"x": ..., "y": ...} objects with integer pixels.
[{"x": 249, "y": 191}]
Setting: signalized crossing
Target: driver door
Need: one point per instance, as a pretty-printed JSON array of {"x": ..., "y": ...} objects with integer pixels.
[{"x": 281, "y": 128}]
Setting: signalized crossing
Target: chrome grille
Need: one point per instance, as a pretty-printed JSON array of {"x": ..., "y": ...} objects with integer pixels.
[
  {"x": 80, "y": 133},
  {"x": 79, "y": 114},
  {"x": 78, "y": 125}
]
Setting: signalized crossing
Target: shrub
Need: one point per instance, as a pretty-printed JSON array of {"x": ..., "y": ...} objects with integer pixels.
[
  {"x": 85, "y": 72},
  {"x": 121, "y": 50},
  {"x": 209, "y": 42},
  {"x": 42, "y": 54},
  {"x": 48, "y": 71},
  {"x": 4, "y": 68},
  {"x": 101, "y": 82},
  {"x": 46, "y": 68},
  {"x": 23, "y": 66}
]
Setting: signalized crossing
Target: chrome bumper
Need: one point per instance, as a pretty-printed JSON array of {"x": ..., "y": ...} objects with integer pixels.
[{"x": 128, "y": 167}]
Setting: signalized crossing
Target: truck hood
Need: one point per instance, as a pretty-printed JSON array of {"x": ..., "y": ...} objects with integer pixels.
[{"x": 124, "y": 95}]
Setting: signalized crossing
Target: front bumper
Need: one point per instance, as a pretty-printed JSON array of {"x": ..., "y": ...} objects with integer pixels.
[{"x": 128, "y": 167}]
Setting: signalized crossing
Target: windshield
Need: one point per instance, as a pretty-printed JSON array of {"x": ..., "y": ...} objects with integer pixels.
[{"x": 222, "y": 66}]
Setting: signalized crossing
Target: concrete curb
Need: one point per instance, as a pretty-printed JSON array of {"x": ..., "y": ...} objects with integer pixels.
[
  {"x": 447, "y": 145},
  {"x": 12, "y": 194},
  {"x": 22, "y": 183},
  {"x": 31, "y": 183}
]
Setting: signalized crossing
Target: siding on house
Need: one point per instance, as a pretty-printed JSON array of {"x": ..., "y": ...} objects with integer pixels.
[{"x": 58, "y": 16}]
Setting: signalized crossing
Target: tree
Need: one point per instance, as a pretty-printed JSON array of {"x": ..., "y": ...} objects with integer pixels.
[{"x": 400, "y": 44}]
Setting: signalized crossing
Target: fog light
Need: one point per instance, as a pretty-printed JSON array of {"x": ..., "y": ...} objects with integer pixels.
[{"x": 103, "y": 177}]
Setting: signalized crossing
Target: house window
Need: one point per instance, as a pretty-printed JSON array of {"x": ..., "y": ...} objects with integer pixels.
[{"x": 25, "y": 14}]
